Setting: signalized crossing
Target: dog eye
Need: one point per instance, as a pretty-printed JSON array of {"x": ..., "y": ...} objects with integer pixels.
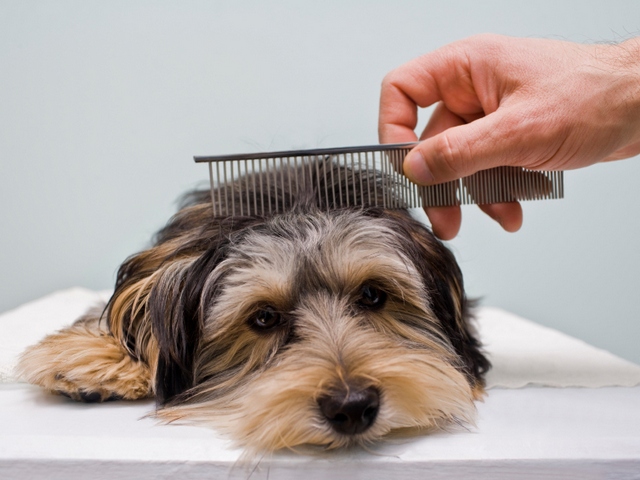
[
  {"x": 371, "y": 297},
  {"x": 266, "y": 318}
]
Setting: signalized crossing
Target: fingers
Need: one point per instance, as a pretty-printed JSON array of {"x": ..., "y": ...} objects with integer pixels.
[
  {"x": 441, "y": 119},
  {"x": 398, "y": 116},
  {"x": 462, "y": 150},
  {"x": 465, "y": 134},
  {"x": 508, "y": 215},
  {"x": 402, "y": 91},
  {"x": 440, "y": 75},
  {"x": 445, "y": 221}
]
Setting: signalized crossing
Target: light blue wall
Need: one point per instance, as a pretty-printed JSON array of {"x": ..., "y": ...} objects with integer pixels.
[{"x": 103, "y": 104}]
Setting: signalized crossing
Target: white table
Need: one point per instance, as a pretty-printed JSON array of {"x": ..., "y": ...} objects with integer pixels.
[{"x": 524, "y": 433}]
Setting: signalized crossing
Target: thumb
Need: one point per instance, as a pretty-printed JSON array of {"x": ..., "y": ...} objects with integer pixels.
[{"x": 461, "y": 151}]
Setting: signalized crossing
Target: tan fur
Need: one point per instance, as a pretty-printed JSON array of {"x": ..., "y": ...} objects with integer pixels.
[
  {"x": 84, "y": 358},
  {"x": 478, "y": 392}
]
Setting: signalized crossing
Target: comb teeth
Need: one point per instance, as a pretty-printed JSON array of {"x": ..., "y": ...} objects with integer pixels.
[{"x": 267, "y": 183}]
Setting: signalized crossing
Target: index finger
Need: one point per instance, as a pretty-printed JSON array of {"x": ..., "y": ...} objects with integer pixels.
[
  {"x": 403, "y": 90},
  {"x": 399, "y": 106},
  {"x": 398, "y": 115},
  {"x": 443, "y": 74}
]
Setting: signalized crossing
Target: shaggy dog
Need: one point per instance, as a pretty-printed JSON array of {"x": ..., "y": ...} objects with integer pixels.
[{"x": 312, "y": 325}]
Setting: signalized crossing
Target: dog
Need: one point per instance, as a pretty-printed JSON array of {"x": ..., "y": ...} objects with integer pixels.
[{"x": 315, "y": 325}]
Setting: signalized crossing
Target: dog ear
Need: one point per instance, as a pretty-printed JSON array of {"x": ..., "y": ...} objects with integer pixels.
[
  {"x": 441, "y": 273},
  {"x": 177, "y": 308},
  {"x": 162, "y": 293}
]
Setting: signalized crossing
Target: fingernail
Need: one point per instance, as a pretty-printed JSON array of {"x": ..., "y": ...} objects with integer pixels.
[{"x": 416, "y": 169}]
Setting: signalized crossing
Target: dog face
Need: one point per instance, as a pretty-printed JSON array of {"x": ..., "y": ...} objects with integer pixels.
[
  {"x": 324, "y": 328},
  {"x": 328, "y": 328}
]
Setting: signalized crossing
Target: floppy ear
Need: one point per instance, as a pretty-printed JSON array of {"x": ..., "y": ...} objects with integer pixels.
[
  {"x": 442, "y": 275},
  {"x": 177, "y": 308}
]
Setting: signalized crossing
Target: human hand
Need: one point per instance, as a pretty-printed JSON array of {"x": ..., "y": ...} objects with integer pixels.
[{"x": 533, "y": 103}]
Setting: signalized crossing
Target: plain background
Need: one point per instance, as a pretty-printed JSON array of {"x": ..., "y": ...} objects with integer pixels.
[{"x": 103, "y": 105}]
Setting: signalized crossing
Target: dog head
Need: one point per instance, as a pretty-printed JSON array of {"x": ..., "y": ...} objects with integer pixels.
[{"x": 310, "y": 327}]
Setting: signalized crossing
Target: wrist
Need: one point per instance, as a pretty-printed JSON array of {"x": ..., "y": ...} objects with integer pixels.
[
  {"x": 634, "y": 67},
  {"x": 624, "y": 60}
]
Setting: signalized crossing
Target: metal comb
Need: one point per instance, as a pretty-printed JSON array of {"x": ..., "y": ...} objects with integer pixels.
[{"x": 266, "y": 183}]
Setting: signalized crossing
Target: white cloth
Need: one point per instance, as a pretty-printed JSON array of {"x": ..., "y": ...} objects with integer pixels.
[
  {"x": 30, "y": 322},
  {"x": 522, "y": 352}
]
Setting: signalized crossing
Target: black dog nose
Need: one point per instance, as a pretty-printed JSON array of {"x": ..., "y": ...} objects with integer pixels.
[{"x": 351, "y": 412}]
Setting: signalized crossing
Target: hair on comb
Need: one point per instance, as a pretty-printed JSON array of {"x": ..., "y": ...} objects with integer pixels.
[{"x": 267, "y": 183}]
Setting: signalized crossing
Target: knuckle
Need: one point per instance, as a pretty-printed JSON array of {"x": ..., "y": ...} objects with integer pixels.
[
  {"x": 489, "y": 45},
  {"x": 448, "y": 156},
  {"x": 390, "y": 80}
]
